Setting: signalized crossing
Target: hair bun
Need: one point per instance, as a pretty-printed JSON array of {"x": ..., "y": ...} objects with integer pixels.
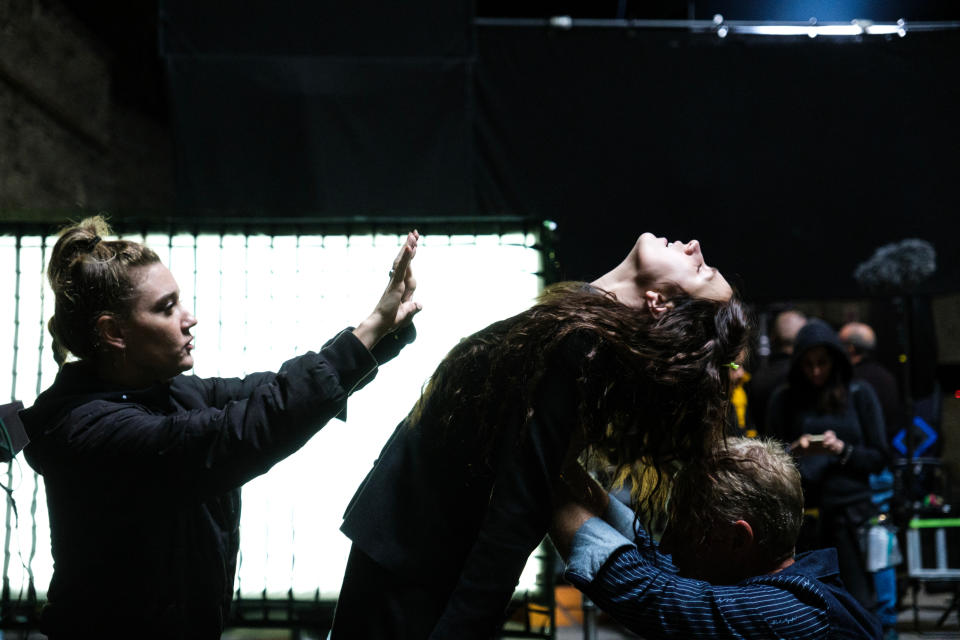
[
  {"x": 91, "y": 243},
  {"x": 89, "y": 280}
]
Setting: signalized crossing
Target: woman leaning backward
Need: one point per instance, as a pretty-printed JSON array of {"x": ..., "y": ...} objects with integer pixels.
[
  {"x": 629, "y": 367},
  {"x": 142, "y": 465}
]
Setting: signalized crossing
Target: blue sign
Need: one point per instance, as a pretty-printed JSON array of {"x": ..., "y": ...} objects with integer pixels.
[{"x": 928, "y": 431}]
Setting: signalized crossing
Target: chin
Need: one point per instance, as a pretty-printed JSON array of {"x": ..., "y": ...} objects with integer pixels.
[{"x": 645, "y": 243}]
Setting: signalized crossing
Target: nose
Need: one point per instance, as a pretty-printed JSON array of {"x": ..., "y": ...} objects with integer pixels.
[
  {"x": 692, "y": 247},
  {"x": 189, "y": 321}
]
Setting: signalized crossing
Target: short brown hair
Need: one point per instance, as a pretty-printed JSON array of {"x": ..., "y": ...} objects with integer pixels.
[
  {"x": 90, "y": 277},
  {"x": 755, "y": 480}
]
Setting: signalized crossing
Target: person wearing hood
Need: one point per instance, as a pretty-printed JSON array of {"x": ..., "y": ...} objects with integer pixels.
[
  {"x": 142, "y": 465},
  {"x": 834, "y": 427}
]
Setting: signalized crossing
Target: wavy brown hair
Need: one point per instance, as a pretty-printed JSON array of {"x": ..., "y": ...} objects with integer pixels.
[
  {"x": 90, "y": 276},
  {"x": 650, "y": 391}
]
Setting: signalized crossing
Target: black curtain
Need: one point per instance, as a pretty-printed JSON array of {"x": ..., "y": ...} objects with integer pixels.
[
  {"x": 330, "y": 109},
  {"x": 791, "y": 159}
]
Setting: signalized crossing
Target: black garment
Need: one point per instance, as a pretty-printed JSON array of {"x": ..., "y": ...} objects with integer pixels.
[
  {"x": 885, "y": 386},
  {"x": 761, "y": 386},
  {"x": 376, "y": 603},
  {"x": 143, "y": 484},
  {"x": 436, "y": 514},
  {"x": 838, "y": 485},
  {"x": 828, "y": 480}
]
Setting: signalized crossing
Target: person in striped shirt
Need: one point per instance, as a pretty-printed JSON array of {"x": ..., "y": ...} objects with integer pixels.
[{"x": 725, "y": 566}]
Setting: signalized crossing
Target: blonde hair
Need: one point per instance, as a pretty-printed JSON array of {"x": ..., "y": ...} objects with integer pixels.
[
  {"x": 744, "y": 479},
  {"x": 90, "y": 277}
]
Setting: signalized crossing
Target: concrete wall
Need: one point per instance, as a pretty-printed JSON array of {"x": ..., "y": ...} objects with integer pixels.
[{"x": 66, "y": 146}]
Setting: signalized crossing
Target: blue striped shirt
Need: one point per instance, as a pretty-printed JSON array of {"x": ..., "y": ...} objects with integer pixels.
[{"x": 639, "y": 587}]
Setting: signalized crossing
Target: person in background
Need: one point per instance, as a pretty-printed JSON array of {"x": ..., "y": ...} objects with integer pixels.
[
  {"x": 143, "y": 465},
  {"x": 764, "y": 381},
  {"x": 861, "y": 344},
  {"x": 733, "y": 521},
  {"x": 626, "y": 367},
  {"x": 834, "y": 426}
]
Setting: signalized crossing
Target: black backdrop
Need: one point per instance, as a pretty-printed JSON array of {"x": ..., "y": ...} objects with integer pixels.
[{"x": 791, "y": 159}]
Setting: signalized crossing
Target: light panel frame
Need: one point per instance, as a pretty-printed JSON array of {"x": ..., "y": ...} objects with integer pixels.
[{"x": 260, "y": 299}]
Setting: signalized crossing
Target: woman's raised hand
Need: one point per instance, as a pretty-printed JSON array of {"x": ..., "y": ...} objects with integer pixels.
[{"x": 396, "y": 307}]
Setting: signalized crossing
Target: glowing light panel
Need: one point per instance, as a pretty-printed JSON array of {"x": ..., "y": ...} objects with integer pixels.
[{"x": 259, "y": 300}]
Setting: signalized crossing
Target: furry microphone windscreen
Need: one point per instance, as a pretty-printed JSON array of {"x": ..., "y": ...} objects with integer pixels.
[{"x": 897, "y": 267}]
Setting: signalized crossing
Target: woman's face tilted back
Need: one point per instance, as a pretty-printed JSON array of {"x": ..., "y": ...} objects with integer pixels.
[
  {"x": 157, "y": 344},
  {"x": 682, "y": 264}
]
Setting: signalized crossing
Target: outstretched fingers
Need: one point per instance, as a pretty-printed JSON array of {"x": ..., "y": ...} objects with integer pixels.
[
  {"x": 403, "y": 282},
  {"x": 401, "y": 264},
  {"x": 395, "y": 308}
]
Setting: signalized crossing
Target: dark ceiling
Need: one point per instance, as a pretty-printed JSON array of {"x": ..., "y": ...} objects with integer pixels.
[{"x": 129, "y": 29}]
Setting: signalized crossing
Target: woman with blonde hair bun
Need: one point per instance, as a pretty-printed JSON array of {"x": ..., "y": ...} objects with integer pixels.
[{"x": 143, "y": 465}]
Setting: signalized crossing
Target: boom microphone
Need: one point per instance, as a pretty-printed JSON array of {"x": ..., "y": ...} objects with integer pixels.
[{"x": 898, "y": 267}]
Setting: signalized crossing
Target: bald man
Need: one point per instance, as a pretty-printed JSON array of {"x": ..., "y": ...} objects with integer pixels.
[{"x": 861, "y": 343}]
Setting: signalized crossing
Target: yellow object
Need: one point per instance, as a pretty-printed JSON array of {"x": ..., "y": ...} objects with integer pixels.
[
  {"x": 738, "y": 397},
  {"x": 569, "y": 609}
]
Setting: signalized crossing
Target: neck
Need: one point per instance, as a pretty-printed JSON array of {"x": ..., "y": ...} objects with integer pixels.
[
  {"x": 115, "y": 371},
  {"x": 786, "y": 562},
  {"x": 623, "y": 281},
  {"x": 753, "y": 564}
]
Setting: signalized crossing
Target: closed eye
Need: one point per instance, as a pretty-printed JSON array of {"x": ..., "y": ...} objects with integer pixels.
[{"x": 168, "y": 303}]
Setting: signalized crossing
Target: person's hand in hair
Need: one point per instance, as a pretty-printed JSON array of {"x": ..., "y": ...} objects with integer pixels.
[{"x": 396, "y": 307}]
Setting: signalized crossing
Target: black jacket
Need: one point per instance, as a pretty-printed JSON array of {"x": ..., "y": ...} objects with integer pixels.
[
  {"x": 831, "y": 481},
  {"x": 885, "y": 384},
  {"x": 762, "y": 385},
  {"x": 437, "y": 515},
  {"x": 143, "y": 485}
]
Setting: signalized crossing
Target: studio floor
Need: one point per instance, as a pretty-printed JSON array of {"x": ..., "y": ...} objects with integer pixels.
[{"x": 931, "y": 608}]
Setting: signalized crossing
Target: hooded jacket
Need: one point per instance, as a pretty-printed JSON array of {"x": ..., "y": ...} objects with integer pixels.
[
  {"x": 143, "y": 485},
  {"x": 829, "y": 480}
]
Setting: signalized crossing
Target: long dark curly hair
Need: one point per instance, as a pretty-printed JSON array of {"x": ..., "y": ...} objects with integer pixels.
[{"x": 651, "y": 391}]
